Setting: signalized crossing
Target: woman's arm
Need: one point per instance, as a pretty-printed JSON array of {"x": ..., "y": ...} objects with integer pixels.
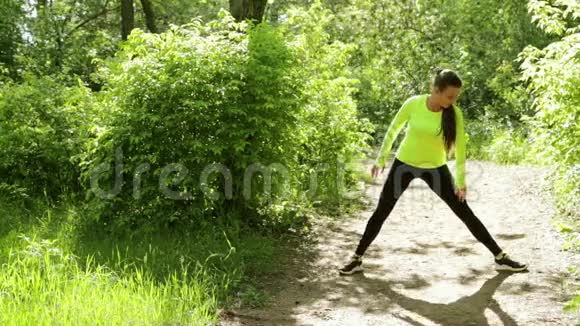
[
  {"x": 460, "y": 148},
  {"x": 395, "y": 127}
]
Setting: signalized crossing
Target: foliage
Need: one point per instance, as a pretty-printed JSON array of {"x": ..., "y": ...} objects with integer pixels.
[
  {"x": 399, "y": 43},
  {"x": 42, "y": 125},
  {"x": 300, "y": 95},
  {"x": 553, "y": 74},
  {"x": 220, "y": 93},
  {"x": 332, "y": 133},
  {"x": 508, "y": 147},
  {"x": 54, "y": 258},
  {"x": 10, "y": 17},
  {"x": 64, "y": 37}
]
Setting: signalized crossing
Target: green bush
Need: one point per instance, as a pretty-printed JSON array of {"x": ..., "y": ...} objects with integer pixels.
[
  {"x": 480, "y": 133},
  {"x": 218, "y": 93},
  {"x": 332, "y": 133},
  {"x": 508, "y": 147},
  {"x": 553, "y": 77},
  {"x": 43, "y": 124}
]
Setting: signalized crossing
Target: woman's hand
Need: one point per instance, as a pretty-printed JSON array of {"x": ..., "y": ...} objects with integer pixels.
[
  {"x": 375, "y": 171},
  {"x": 461, "y": 193}
]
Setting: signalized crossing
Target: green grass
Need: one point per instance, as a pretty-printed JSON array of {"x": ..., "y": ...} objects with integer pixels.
[
  {"x": 504, "y": 146},
  {"x": 42, "y": 285},
  {"x": 57, "y": 268}
]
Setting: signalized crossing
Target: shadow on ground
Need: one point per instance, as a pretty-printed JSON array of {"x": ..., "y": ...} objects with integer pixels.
[{"x": 301, "y": 286}]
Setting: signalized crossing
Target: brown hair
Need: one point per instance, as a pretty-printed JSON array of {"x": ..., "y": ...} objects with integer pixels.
[{"x": 444, "y": 78}]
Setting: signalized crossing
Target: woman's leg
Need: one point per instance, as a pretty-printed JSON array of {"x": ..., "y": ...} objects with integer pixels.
[
  {"x": 398, "y": 179},
  {"x": 440, "y": 181}
]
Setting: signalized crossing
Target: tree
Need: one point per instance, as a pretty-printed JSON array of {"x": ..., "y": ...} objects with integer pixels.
[
  {"x": 11, "y": 15},
  {"x": 248, "y": 9},
  {"x": 149, "y": 15},
  {"x": 127, "y": 18}
]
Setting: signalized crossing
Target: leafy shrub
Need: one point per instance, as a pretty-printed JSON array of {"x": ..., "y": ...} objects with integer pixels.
[
  {"x": 331, "y": 130},
  {"x": 42, "y": 125},
  {"x": 220, "y": 93},
  {"x": 508, "y": 147},
  {"x": 553, "y": 76}
]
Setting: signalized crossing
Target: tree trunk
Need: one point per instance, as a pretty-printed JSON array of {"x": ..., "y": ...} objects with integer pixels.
[
  {"x": 127, "y": 18},
  {"x": 149, "y": 15},
  {"x": 248, "y": 9}
]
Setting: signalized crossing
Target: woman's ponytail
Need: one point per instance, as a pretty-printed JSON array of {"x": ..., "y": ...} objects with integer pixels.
[{"x": 444, "y": 78}]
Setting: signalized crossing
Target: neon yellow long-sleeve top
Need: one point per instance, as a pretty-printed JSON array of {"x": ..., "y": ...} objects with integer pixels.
[{"x": 423, "y": 145}]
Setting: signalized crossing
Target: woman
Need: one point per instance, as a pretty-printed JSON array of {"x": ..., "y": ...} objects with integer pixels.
[{"x": 435, "y": 127}]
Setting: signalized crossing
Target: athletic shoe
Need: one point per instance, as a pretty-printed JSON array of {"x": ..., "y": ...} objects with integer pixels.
[
  {"x": 355, "y": 265},
  {"x": 505, "y": 263}
]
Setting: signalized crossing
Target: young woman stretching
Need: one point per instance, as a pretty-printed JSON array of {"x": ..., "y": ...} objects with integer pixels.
[{"x": 435, "y": 126}]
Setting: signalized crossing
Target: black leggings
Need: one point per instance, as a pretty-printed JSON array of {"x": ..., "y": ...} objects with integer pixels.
[{"x": 441, "y": 182}]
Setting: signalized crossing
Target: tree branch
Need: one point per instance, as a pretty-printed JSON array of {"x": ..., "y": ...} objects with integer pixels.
[{"x": 91, "y": 18}]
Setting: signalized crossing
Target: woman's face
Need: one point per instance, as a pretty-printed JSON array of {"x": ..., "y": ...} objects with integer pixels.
[{"x": 447, "y": 96}]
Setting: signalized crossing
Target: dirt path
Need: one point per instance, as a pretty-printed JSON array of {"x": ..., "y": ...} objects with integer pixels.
[{"x": 425, "y": 268}]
